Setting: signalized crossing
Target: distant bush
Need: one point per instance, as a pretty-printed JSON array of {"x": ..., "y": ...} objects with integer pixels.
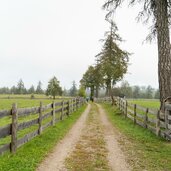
[{"x": 32, "y": 96}]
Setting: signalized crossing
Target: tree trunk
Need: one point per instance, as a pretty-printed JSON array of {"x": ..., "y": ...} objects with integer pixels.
[
  {"x": 97, "y": 91},
  {"x": 164, "y": 62},
  {"x": 92, "y": 91},
  {"x": 110, "y": 93},
  {"x": 107, "y": 91},
  {"x": 108, "y": 87}
]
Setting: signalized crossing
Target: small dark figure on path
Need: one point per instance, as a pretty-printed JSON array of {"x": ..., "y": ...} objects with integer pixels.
[
  {"x": 92, "y": 99},
  {"x": 87, "y": 99}
]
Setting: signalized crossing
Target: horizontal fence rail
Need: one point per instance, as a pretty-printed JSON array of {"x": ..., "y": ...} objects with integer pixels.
[
  {"x": 152, "y": 119},
  {"x": 39, "y": 118}
]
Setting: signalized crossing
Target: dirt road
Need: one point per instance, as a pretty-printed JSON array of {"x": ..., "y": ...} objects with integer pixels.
[{"x": 91, "y": 144}]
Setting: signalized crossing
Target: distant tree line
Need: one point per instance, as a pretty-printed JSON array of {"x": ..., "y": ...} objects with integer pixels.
[
  {"x": 145, "y": 92},
  {"x": 20, "y": 89},
  {"x": 53, "y": 89}
]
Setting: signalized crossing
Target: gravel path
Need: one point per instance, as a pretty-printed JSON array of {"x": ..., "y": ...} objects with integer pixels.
[
  {"x": 55, "y": 160},
  {"x": 115, "y": 157}
]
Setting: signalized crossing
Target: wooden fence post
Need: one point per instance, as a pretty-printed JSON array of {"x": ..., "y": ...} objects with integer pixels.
[
  {"x": 119, "y": 104},
  {"x": 76, "y": 104},
  {"x": 72, "y": 103},
  {"x": 123, "y": 106},
  {"x": 53, "y": 113},
  {"x": 40, "y": 119},
  {"x": 79, "y": 102},
  {"x": 68, "y": 112},
  {"x": 14, "y": 128},
  {"x": 146, "y": 118},
  {"x": 126, "y": 108},
  {"x": 135, "y": 113},
  {"x": 62, "y": 112},
  {"x": 158, "y": 123}
]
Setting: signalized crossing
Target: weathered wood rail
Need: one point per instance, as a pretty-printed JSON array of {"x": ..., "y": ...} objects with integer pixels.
[
  {"x": 152, "y": 119},
  {"x": 53, "y": 112}
]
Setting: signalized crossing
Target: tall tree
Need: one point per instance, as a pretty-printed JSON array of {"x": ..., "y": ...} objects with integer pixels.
[
  {"x": 149, "y": 92},
  {"x": 88, "y": 80},
  {"x": 126, "y": 89},
  {"x": 136, "y": 92},
  {"x": 113, "y": 60},
  {"x": 160, "y": 12},
  {"x": 73, "y": 89},
  {"x": 39, "y": 89},
  {"x": 20, "y": 87},
  {"x": 54, "y": 88},
  {"x": 81, "y": 91}
]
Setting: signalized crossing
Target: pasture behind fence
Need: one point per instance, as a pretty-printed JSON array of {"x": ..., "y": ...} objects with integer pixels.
[
  {"x": 152, "y": 119},
  {"x": 42, "y": 117}
]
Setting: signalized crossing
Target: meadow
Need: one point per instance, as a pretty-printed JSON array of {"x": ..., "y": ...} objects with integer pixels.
[
  {"x": 24, "y": 101},
  {"x": 149, "y": 103}
]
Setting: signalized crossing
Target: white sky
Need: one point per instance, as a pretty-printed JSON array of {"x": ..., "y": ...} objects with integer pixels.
[{"x": 43, "y": 38}]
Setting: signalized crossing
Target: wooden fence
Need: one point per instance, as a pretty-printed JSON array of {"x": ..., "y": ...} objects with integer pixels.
[
  {"x": 52, "y": 113},
  {"x": 152, "y": 119}
]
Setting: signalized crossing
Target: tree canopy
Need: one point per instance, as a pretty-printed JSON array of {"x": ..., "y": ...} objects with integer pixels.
[
  {"x": 54, "y": 88},
  {"x": 160, "y": 13},
  {"x": 73, "y": 89},
  {"x": 112, "y": 63},
  {"x": 113, "y": 60}
]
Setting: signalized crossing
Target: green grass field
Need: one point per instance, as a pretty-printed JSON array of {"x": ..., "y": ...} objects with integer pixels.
[
  {"x": 146, "y": 103},
  {"x": 32, "y": 153},
  {"x": 23, "y": 103},
  {"x": 22, "y": 96},
  {"x": 143, "y": 149}
]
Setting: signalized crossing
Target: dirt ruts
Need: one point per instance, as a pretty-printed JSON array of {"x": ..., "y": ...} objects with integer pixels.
[
  {"x": 91, "y": 144},
  {"x": 55, "y": 160}
]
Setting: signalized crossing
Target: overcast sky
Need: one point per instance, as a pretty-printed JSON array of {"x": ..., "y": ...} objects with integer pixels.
[{"x": 40, "y": 39}]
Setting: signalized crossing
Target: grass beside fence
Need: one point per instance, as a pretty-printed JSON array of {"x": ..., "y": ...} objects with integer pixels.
[
  {"x": 32, "y": 153},
  {"x": 23, "y": 103},
  {"x": 144, "y": 150},
  {"x": 149, "y": 103},
  {"x": 6, "y": 104}
]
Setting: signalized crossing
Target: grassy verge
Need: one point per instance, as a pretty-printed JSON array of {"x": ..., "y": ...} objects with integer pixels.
[
  {"x": 90, "y": 152},
  {"x": 32, "y": 153},
  {"x": 145, "y": 151}
]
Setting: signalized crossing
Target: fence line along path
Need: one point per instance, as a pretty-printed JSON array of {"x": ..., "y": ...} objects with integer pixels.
[
  {"x": 27, "y": 123},
  {"x": 152, "y": 119}
]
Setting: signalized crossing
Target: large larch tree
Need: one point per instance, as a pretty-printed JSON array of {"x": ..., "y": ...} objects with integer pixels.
[
  {"x": 113, "y": 60},
  {"x": 160, "y": 12}
]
